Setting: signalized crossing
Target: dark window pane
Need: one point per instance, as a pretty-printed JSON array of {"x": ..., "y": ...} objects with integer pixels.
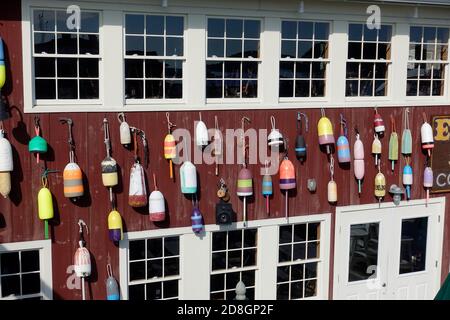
[
  {"x": 363, "y": 251},
  {"x": 304, "y": 49},
  {"x": 428, "y": 51},
  {"x": 89, "y": 22},
  {"x": 232, "y": 69},
  {"x": 413, "y": 245},
  {"x": 283, "y": 291},
  {"x": 67, "y": 89},
  {"x": 250, "y": 238},
  {"x": 313, "y": 231},
  {"x": 355, "y": 32},
  {"x": 154, "y": 268},
  {"x": 305, "y": 30},
  {"x": 219, "y": 241},
  {"x": 425, "y": 71},
  {"x": 30, "y": 260},
  {"x": 171, "y": 246},
  {"x": 44, "y": 67},
  {"x": 311, "y": 270},
  {"x": 352, "y": 70},
  {"x": 297, "y": 272},
  {"x": 137, "y": 250},
  {"x": 303, "y": 70},
  {"x": 286, "y": 88},
  {"x": 297, "y": 290},
  {"x": 317, "y": 88},
  {"x": 251, "y": 48},
  {"x": 170, "y": 289},
  {"x": 134, "y": 24},
  {"x": 385, "y": 33},
  {"x": 66, "y": 43},
  {"x": 45, "y": 89},
  {"x": 441, "y": 52},
  {"x": 67, "y": 68},
  {"x": 154, "y": 89},
  {"x": 286, "y": 69},
  {"x": 171, "y": 267},
  {"x": 438, "y": 88},
  {"x": 442, "y": 35},
  {"x": 380, "y": 88},
  {"x": 283, "y": 274},
  {"x": 154, "y": 248},
  {"x": 155, "y": 46},
  {"x": 370, "y": 34},
  {"x": 413, "y": 70},
  {"x": 155, "y": 25},
  {"x": 213, "y": 89},
  {"x": 234, "y": 259},
  {"x": 249, "y": 258},
  {"x": 217, "y": 282},
  {"x": 429, "y": 34},
  {"x": 284, "y": 253},
  {"x": 321, "y": 31},
  {"x": 137, "y": 270},
  {"x": 252, "y": 29},
  {"x": 320, "y": 49},
  {"x": 174, "y": 46},
  {"x": 174, "y": 26},
  {"x": 411, "y": 88},
  {"x": 415, "y": 34},
  {"x": 31, "y": 283},
  {"x": 366, "y": 88},
  {"x": 10, "y": 286},
  {"x": 285, "y": 235},
  {"x": 217, "y": 296},
  {"x": 234, "y": 28},
  {"x": 235, "y": 239},
  {"x": 216, "y": 27},
  {"x": 250, "y": 70},
  {"x": 351, "y": 88},
  {"x": 9, "y": 263},
  {"x": 136, "y": 292},
  {"x": 88, "y": 68},
  {"x": 219, "y": 261},
  {"x": 89, "y": 89},
  {"x": 89, "y": 44},
  {"x": 369, "y": 51},
  {"x": 154, "y": 291},
  {"x": 215, "y": 47},
  {"x": 354, "y": 50},
  {"x": 288, "y": 49},
  {"x": 415, "y": 52},
  {"x": 174, "y": 69},
  {"x": 43, "y": 20},
  {"x": 249, "y": 88},
  {"x": 134, "y": 68},
  {"x": 134, "y": 45},
  {"x": 299, "y": 251},
  {"x": 248, "y": 277},
  {"x": 61, "y": 22},
  {"x": 381, "y": 70},
  {"x": 174, "y": 89},
  {"x": 384, "y": 51},
  {"x": 310, "y": 288},
  {"x": 153, "y": 68},
  {"x": 318, "y": 70},
  {"x": 214, "y": 69},
  {"x": 288, "y": 30},
  {"x": 232, "y": 280},
  {"x": 44, "y": 43},
  {"x": 367, "y": 70},
  {"x": 300, "y": 232},
  {"x": 234, "y": 48},
  {"x": 302, "y": 88}
]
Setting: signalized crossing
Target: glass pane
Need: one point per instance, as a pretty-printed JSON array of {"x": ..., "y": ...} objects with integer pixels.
[
  {"x": 311, "y": 270},
  {"x": 351, "y": 88},
  {"x": 89, "y": 22},
  {"x": 367, "y": 70},
  {"x": 154, "y": 291},
  {"x": 297, "y": 290},
  {"x": 429, "y": 51},
  {"x": 61, "y": 22},
  {"x": 216, "y": 47},
  {"x": 214, "y": 89},
  {"x": 137, "y": 250},
  {"x": 134, "y": 45},
  {"x": 137, "y": 270},
  {"x": 302, "y": 88},
  {"x": 249, "y": 88},
  {"x": 155, "y": 25},
  {"x": 286, "y": 69},
  {"x": 352, "y": 70},
  {"x": 10, "y": 286},
  {"x": 413, "y": 70},
  {"x": 89, "y": 89},
  {"x": 174, "y": 46},
  {"x": 30, "y": 260},
  {"x": 310, "y": 288},
  {"x": 248, "y": 277},
  {"x": 250, "y": 70},
  {"x": 297, "y": 272},
  {"x": 284, "y": 253},
  {"x": 45, "y": 89},
  {"x": 217, "y": 282},
  {"x": 313, "y": 231},
  {"x": 134, "y": 68},
  {"x": 67, "y": 89},
  {"x": 44, "y": 67},
  {"x": 155, "y": 46},
  {"x": 305, "y": 49},
  {"x": 136, "y": 292},
  {"x": 411, "y": 88},
  {"x": 442, "y": 52},
  {"x": 425, "y": 71},
  {"x": 413, "y": 250},
  {"x": 251, "y": 48},
  {"x": 89, "y": 44},
  {"x": 154, "y": 248},
  {"x": 283, "y": 291},
  {"x": 321, "y": 31},
  {"x": 234, "y": 28},
  {"x": 286, "y": 88},
  {"x": 216, "y": 27},
  {"x": 303, "y": 70},
  {"x": 234, "y": 259},
  {"x": 174, "y": 89},
  {"x": 385, "y": 33},
  {"x": 321, "y": 49},
  {"x": 380, "y": 88},
  {"x": 66, "y": 43},
  {"x": 214, "y": 69},
  {"x": 305, "y": 30},
  {"x": 134, "y": 24},
  {"x": 44, "y": 20},
  {"x": 366, "y": 88},
  {"x": 219, "y": 241},
  {"x": 317, "y": 88},
  {"x": 44, "y": 43},
  {"x": 154, "y": 268},
  {"x": 300, "y": 232},
  {"x": 438, "y": 88},
  {"x": 234, "y": 239},
  {"x": 300, "y": 251},
  {"x": 9, "y": 263},
  {"x": 232, "y": 69},
  {"x": 250, "y": 238},
  {"x": 249, "y": 258},
  {"x": 171, "y": 267},
  {"x": 369, "y": 51},
  {"x": 318, "y": 70},
  {"x": 88, "y": 68},
  {"x": 67, "y": 68},
  {"x": 355, "y": 32},
  {"x": 232, "y": 279},
  {"x": 31, "y": 283},
  {"x": 286, "y": 234},
  {"x": 217, "y": 296},
  {"x": 363, "y": 250},
  {"x": 288, "y": 49},
  {"x": 154, "y": 89},
  {"x": 424, "y": 88},
  {"x": 170, "y": 289},
  {"x": 370, "y": 34},
  {"x": 219, "y": 261},
  {"x": 354, "y": 50},
  {"x": 415, "y": 52},
  {"x": 283, "y": 274},
  {"x": 234, "y": 48},
  {"x": 251, "y": 29},
  {"x": 442, "y": 35},
  {"x": 288, "y": 30},
  {"x": 384, "y": 51},
  {"x": 429, "y": 34},
  {"x": 171, "y": 246},
  {"x": 415, "y": 34}
]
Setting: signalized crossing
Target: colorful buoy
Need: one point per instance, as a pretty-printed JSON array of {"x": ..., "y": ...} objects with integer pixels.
[
  {"x": 275, "y": 138},
  {"x": 267, "y": 188},
  {"x": 343, "y": 147},
  {"x": 426, "y": 135},
  {"x": 380, "y": 186},
  {"x": 6, "y": 165},
  {"x": 393, "y": 144},
  {"x": 188, "y": 178},
  {"x": 287, "y": 180},
  {"x": 115, "y": 226},
  {"x": 376, "y": 148},
  {"x": 300, "y": 144},
  {"x": 112, "y": 288},
  {"x": 137, "y": 194},
  {"x": 378, "y": 123},
  {"x": 408, "y": 179},
  {"x": 124, "y": 130},
  {"x": 196, "y": 220},
  {"x": 325, "y": 131},
  {"x": 110, "y": 177},
  {"x": 170, "y": 149},
  {"x": 45, "y": 203},
  {"x": 217, "y": 144},
  {"x": 428, "y": 181},
  {"x": 82, "y": 258},
  {"x": 358, "y": 156},
  {"x": 37, "y": 144},
  {"x": 157, "y": 206}
]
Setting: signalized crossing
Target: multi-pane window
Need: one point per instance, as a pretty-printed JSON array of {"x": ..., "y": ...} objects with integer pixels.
[
  {"x": 298, "y": 261},
  {"x": 369, "y": 54},
  {"x": 154, "y": 56},
  {"x": 66, "y": 58},
  {"x": 233, "y": 58},
  {"x": 233, "y": 259},
  {"x": 20, "y": 275},
  {"x": 154, "y": 268},
  {"x": 428, "y": 58},
  {"x": 304, "y": 54}
]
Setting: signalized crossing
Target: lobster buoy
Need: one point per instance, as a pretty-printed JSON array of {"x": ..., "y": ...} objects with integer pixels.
[
  {"x": 406, "y": 136},
  {"x": 358, "y": 155},
  {"x": 110, "y": 177},
  {"x": 157, "y": 206},
  {"x": 115, "y": 226},
  {"x": 380, "y": 186},
  {"x": 267, "y": 189},
  {"x": 217, "y": 144},
  {"x": 201, "y": 133},
  {"x": 6, "y": 165},
  {"x": 170, "y": 151},
  {"x": 137, "y": 196},
  {"x": 45, "y": 207},
  {"x": 378, "y": 123},
  {"x": 37, "y": 145},
  {"x": 332, "y": 191},
  {"x": 325, "y": 131},
  {"x": 82, "y": 262},
  {"x": 244, "y": 189},
  {"x": 343, "y": 147},
  {"x": 393, "y": 144},
  {"x": 275, "y": 138},
  {"x": 196, "y": 220},
  {"x": 426, "y": 135},
  {"x": 188, "y": 178},
  {"x": 408, "y": 180},
  {"x": 428, "y": 181},
  {"x": 2, "y": 65},
  {"x": 5, "y": 183},
  {"x": 124, "y": 130},
  {"x": 73, "y": 181},
  {"x": 112, "y": 287},
  {"x": 300, "y": 144},
  {"x": 376, "y": 148},
  {"x": 287, "y": 175}
]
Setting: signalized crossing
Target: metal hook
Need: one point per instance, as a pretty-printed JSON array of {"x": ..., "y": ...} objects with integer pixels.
[
  {"x": 119, "y": 116},
  {"x": 344, "y": 125},
  {"x": 170, "y": 125},
  {"x": 81, "y": 223},
  {"x": 299, "y": 119},
  {"x": 272, "y": 122}
]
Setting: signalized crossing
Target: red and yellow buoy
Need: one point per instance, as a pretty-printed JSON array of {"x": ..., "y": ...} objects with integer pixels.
[{"x": 170, "y": 150}]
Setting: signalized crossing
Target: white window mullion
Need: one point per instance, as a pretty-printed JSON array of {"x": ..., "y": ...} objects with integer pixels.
[
  {"x": 399, "y": 67},
  {"x": 267, "y": 260},
  {"x": 268, "y": 77},
  {"x": 335, "y": 88}
]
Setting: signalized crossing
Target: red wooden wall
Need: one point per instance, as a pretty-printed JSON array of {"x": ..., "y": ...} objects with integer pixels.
[{"x": 18, "y": 214}]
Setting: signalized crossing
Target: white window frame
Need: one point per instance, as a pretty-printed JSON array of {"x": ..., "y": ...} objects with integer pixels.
[
  {"x": 195, "y": 256},
  {"x": 45, "y": 264}
]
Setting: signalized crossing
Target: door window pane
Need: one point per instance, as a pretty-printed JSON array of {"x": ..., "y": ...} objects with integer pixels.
[
  {"x": 413, "y": 249},
  {"x": 363, "y": 251}
]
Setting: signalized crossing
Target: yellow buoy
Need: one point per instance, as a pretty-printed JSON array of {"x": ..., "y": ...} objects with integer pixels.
[
  {"x": 115, "y": 226},
  {"x": 380, "y": 185},
  {"x": 5, "y": 183},
  {"x": 45, "y": 204}
]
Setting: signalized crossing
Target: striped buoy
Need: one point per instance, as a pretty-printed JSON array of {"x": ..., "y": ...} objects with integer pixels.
[
  {"x": 73, "y": 181},
  {"x": 157, "y": 206},
  {"x": 358, "y": 162},
  {"x": 110, "y": 177},
  {"x": 376, "y": 148},
  {"x": 112, "y": 288},
  {"x": 188, "y": 178},
  {"x": 6, "y": 165},
  {"x": 300, "y": 144},
  {"x": 2, "y": 65},
  {"x": 393, "y": 144},
  {"x": 197, "y": 220},
  {"x": 267, "y": 187},
  {"x": 115, "y": 226},
  {"x": 82, "y": 262},
  {"x": 137, "y": 195},
  {"x": 275, "y": 138},
  {"x": 287, "y": 175},
  {"x": 325, "y": 132},
  {"x": 408, "y": 180},
  {"x": 378, "y": 123},
  {"x": 343, "y": 147}
]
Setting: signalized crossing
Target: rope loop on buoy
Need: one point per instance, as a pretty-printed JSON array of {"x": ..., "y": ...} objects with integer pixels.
[
  {"x": 272, "y": 122},
  {"x": 170, "y": 125},
  {"x": 109, "y": 270},
  {"x": 332, "y": 168},
  {"x": 344, "y": 129},
  {"x": 121, "y": 117}
]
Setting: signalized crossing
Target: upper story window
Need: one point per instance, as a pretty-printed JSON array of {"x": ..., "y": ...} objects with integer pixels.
[
  {"x": 233, "y": 52},
  {"x": 428, "y": 59},
  {"x": 304, "y": 59},
  {"x": 66, "y": 61},
  {"x": 154, "y": 56},
  {"x": 369, "y": 54}
]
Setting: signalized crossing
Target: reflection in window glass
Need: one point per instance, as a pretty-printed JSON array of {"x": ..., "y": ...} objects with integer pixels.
[
  {"x": 413, "y": 250},
  {"x": 363, "y": 250}
]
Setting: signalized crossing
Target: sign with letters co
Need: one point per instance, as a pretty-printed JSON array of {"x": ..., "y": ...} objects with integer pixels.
[{"x": 440, "y": 158}]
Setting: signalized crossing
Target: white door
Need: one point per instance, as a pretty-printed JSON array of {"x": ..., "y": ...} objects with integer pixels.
[{"x": 392, "y": 252}]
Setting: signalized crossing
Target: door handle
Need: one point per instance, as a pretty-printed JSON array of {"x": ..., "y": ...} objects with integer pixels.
[{"x": 384, "y": 285}]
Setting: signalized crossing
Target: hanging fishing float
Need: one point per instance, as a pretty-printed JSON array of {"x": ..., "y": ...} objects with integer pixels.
[
  {"x": 300, "y": 144},
  {"x": 137, "y": 195},
  {"x": 82, "y": 258},
  {"x": 112, "y": 287},
  {"x": 325, "y": 131},
  {"x": 124, "y": 130},
  {"x": 426, "y": 135},
  {"x": 407, "y": 179},
  {"x": 45, "y": 202},
  {"x": 201, "y": 133},
  {"x": 245, "y": 177},
  {"x": 115, "y": 226},
  {"x": 2, "y": 66},
  {"x": 406, "y": 137},
  {"x": 267, "y": 188},
  {"x": 188, "y": 178},
  {"x": 217, "y": 144},
  {"x": 6, "y": 164},
  {"x": 376, "y": 148},
  {"x": 332, "y": 186},
  {"x": 343, "y": 147},
  {"x": 196, "y": 219},
  {"x": 287, "y": 180},
  {"x": 157, "y": 206},
  {"x": 393, "y": 143},
  {"x": 110, "y": 177},
  {"x": 378, "y": 123},
  {"x": 358, "y": 160},
  {"x": 380, "y": 185},
  {"x": 275, "y": 138},
  {"x": 428, "y": 181},
  {"x": 170, "y": 149},
  {"x": 37, "y": 144}
]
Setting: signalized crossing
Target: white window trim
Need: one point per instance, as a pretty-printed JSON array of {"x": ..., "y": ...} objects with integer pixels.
[
  {"x": 45, "y": 262},
  {"x": 195, "y": 248},
  {"x": 194, "y": 86}
]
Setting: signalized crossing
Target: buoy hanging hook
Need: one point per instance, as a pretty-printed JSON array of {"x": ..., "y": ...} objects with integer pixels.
[
  {"x": 344, "y": 129},
  {"x": 70, "y": 141},
  {"x": 121, "y": 117},
  {"x": 299, "y": 122},
  {"x": 106, "y": 137},
  {"x": 82, "y": 224},
  {"x": 244, "y": 146},
  {"x": 170, "y": 125}
]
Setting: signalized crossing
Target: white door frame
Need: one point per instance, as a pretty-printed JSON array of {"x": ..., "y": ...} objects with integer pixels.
[{"x": 339, "y": 259}]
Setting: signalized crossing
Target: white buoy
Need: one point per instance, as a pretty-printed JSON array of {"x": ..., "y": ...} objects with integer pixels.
[
  {"x": 125, "y": 133},
  {"x": 6, "y": 165},
  {"x": 201, "y": 133}
]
